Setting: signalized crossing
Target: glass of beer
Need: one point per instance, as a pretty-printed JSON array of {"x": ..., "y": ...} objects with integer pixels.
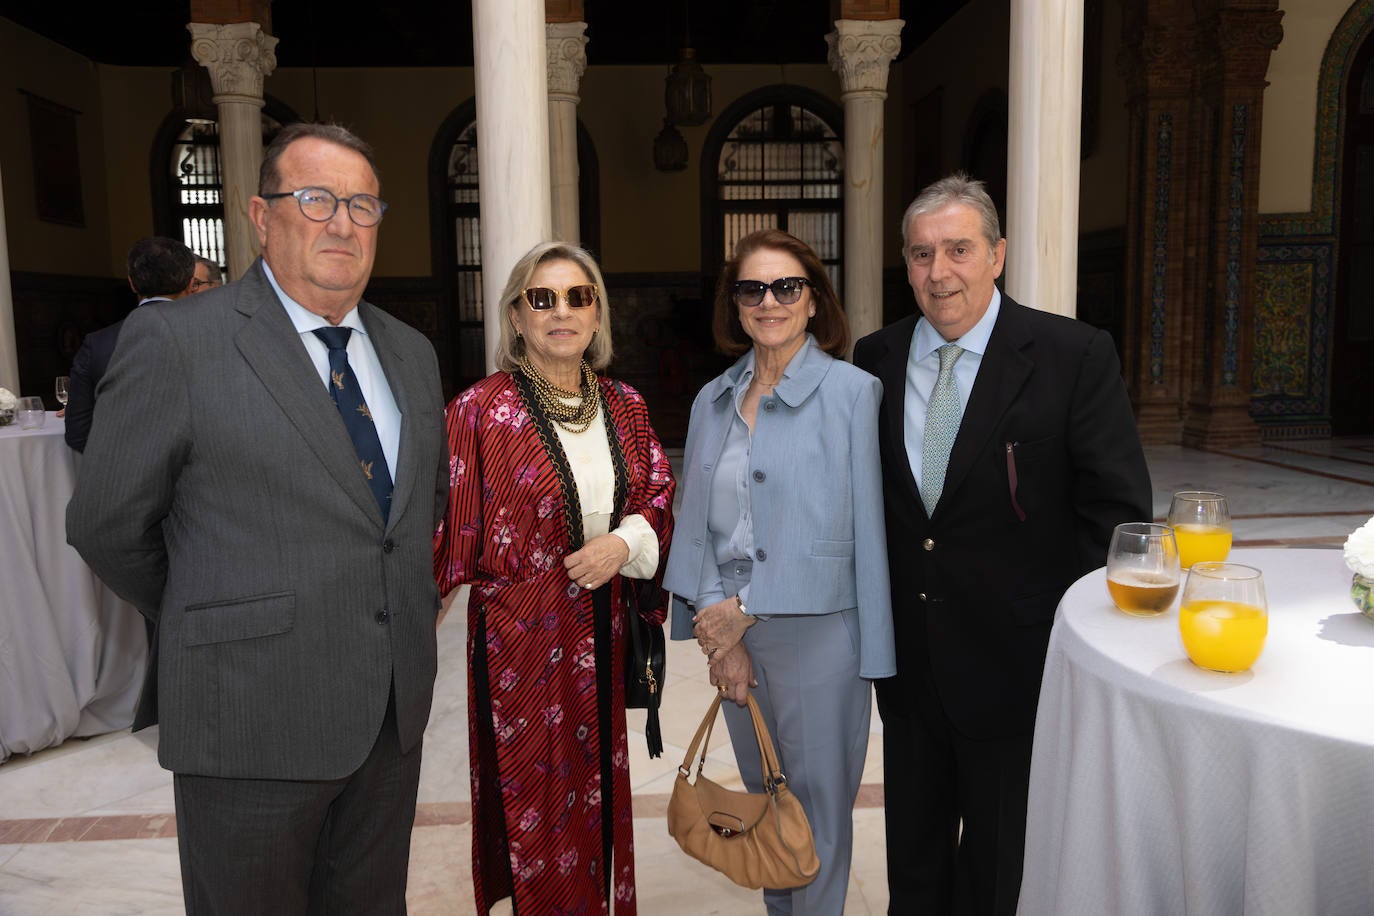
[
  {"x": 1142, "y": 568},
  {"x": 1202, "y": 526},
  {"x": 1224, "y": 616}
]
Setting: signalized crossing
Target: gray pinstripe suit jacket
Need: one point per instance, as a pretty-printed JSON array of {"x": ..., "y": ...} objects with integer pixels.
[{"x": 221, "y": 495}]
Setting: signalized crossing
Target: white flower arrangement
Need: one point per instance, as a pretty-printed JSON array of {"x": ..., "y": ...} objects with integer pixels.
[
  {"x": 1359, "y": 550},
  {"x": 7, "y": 400}
]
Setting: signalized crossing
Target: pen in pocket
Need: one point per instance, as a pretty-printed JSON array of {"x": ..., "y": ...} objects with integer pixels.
[{"x": 1011, "y": 480}]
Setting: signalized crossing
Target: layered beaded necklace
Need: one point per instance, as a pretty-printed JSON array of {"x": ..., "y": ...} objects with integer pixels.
[{"x": 575, "y": 418}]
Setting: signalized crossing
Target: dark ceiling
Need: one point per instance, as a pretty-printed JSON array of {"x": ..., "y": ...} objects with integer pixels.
[{"x": 411, "y": 33}]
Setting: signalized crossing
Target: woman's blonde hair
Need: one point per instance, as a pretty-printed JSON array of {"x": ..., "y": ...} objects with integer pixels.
[{"x": 511, "y": 349}]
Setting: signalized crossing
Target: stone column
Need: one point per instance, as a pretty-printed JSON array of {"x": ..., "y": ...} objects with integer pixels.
[
  {"x": 1159, "y": 45},
  {"x": 860, "y": 52},
  {"x": 567, "y": 61},
  {"x": 9, "y": 347},
  {"x": 512, "y": 142},
  {"x": 1045, "y": 79},
  {"x": 1236, "y": 38},
  {"x": 238, "y": 55}
]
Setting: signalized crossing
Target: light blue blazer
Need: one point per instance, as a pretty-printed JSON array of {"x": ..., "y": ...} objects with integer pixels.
[{"x": 815, "y": 485}]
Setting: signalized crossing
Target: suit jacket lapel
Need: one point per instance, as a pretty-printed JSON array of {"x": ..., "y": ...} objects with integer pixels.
[
  {"x": 1001, "y": 376},
  {"x": 393, "y": 365},
  {"x": 272, "y": 348},
  {"x": 892, "y": 373}
]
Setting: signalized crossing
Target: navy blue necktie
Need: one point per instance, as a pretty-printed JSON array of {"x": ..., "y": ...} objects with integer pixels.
[{"x": 348, "y": 397}]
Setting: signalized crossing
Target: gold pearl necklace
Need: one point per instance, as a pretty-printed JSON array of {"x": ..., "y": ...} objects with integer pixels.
[{"x": 553, "y": 400}]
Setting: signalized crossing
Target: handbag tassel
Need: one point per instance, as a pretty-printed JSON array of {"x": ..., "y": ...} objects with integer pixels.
[{"x": 653, "y": 733}]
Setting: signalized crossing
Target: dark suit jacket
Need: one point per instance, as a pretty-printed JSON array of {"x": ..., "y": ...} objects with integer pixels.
[
  {"x": 88, "y": 368},
  {"x": 1046, "y": 463},
  {"x": 221, "y": 495}
]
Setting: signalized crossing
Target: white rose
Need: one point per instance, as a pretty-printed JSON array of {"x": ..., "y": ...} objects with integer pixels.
[
  {"x": 7, "y": 400},
  {"x": 1359, "y": 549}
]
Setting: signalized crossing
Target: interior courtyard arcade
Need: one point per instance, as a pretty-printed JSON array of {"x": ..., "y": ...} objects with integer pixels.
[{"x": 1195, "y": 176}]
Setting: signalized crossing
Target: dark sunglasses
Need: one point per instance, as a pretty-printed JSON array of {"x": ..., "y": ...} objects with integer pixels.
[
  {"x": 542, "y": 299},
  {"x": 786, "y": 290}
]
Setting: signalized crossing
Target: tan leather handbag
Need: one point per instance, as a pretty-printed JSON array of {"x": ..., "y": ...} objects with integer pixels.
[{"x": 755, "y": 839}]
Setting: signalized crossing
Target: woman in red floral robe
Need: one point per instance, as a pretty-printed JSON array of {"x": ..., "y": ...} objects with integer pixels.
[{"x": 559, "y": 491}]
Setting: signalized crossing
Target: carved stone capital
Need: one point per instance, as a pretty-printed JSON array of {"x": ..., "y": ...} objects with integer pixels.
[
  {"x": 1250, "y": 31},
  {"x": 237, "y": 54},
  {"x": 861, "y": 50},
  {"x": 567, "y": 58}
]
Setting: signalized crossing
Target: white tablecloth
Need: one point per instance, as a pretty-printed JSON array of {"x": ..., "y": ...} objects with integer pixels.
[
  {"x": 1160, "y": 788},
  {"x": 72, "y": 654}
]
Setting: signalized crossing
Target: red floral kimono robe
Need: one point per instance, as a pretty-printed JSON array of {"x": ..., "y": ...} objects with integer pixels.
[{"x": 535, "y": 714}]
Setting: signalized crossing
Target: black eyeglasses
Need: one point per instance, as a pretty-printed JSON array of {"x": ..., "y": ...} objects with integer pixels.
[
  {"x": 786, "y": 290},
  {"x": 320, "y": 205},
  {"x": 541, "y": 298}
]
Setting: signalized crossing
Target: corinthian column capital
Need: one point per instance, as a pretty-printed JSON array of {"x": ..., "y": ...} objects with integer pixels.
[
  {"x": 567, "y": 58},
  {"x": 237, "y": 54},
  {"x": 860, "y": 51}
]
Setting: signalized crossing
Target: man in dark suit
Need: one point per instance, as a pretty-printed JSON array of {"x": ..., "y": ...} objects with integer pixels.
[
  {"x": 264, "y": 481},
  {"x": 1027, "y": 416},
  {"x": 159, "y": 269}
]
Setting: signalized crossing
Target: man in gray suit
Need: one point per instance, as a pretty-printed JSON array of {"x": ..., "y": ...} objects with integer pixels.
[{"x": 239, "y": 491}]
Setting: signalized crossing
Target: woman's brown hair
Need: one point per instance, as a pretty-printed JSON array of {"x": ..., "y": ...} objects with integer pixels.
[{"x": 829, "y": 326}]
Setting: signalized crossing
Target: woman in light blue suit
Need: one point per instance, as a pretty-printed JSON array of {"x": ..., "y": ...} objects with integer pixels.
[{"x": 780, "y": 541}]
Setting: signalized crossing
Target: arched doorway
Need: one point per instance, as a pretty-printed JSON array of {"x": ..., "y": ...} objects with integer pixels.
[{"x": 1352, "y": 327}]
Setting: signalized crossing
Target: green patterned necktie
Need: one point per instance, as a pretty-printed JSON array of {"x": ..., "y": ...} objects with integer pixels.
[{"x": 942, "y": 425}]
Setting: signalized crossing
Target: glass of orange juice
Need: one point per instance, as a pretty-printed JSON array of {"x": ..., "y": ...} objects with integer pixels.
[
  {"x": 1224, "y": 616},
  {"x": 1202, "y": 526},
  {"x": 1142, "y": 568}
]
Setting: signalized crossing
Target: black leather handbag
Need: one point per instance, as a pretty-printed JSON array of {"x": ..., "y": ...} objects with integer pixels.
[{"x": 646, "y": 661}]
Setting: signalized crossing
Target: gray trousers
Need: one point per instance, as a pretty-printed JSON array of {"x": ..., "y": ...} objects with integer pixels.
[{"x": 817, "y": 709}]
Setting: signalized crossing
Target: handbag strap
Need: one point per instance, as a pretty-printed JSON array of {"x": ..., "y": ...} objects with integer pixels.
[{"x": 772, "y": 772}]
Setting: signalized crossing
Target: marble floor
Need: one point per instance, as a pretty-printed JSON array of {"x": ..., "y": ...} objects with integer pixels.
[{"x": 88, "y": 828}]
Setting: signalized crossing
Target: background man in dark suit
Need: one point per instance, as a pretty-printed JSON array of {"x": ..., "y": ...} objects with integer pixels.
[
  {"x": 159, "y": 268},
  {"x": 239, "y": 489},
  {"x": 1044, "y": 462}
]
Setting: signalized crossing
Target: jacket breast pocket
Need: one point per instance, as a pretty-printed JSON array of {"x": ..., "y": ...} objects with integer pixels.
[{"x": 239, "y": 618}]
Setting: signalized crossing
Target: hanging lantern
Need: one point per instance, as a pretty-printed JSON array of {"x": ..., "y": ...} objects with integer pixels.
[
  {"x": 687, "y": 91},
  {"x": 670, "y": 149},
  {"x": 192, "y": 95}
]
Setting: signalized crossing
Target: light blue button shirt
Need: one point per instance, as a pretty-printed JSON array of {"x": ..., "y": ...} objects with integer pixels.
[
  {"x": 362, "y": 358},
  {"x": 923, "y": 369}
]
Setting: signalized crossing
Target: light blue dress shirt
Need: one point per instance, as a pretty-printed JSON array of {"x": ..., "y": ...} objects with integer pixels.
[
  {"x": 923, "y": 369},
  {"x": 362, "y": 358}
]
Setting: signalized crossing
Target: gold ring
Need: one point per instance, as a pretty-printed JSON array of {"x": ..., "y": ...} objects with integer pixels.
[{"x": 724, "y": 688}]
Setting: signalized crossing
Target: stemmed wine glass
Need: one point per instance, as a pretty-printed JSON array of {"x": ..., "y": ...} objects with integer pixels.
[{"x": 63, "y": 383}]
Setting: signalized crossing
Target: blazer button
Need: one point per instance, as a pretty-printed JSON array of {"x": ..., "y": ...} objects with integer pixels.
[
  {"x": 388, "y": 545},
  {"x": 760, "y": 477},
  {"x": 768, "y": 404},
  {"x": 928, "y": 544},
  {"x": 922, "y": 596},
  {"x": 382, "y": 617},
  {"x": 761, "y": 554}
]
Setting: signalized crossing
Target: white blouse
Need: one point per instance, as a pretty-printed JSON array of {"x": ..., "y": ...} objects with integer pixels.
[{"x": 589, "y": 454}]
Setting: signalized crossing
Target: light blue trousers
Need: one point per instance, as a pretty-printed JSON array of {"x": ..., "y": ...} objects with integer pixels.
[{"x": 817, "y": 709}]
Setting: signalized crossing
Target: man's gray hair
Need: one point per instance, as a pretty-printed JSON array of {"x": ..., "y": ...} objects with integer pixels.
[{"x": 954, "y": 189}]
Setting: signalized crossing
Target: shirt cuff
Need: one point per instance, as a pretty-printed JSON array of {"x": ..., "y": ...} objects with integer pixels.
[{"x": 642, "y": 540}]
